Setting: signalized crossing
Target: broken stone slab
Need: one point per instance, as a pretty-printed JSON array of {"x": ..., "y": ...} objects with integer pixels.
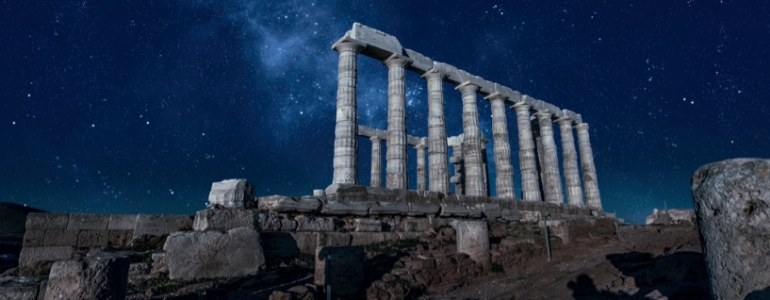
[
  {"x": 332, "y": 207},
  {"x": 272, "y": 222},
  {"x": 423, "y": 209},
  {"x": 389, "y": 208},
  {"x": 88, "y": 222},
  {"x": 415, "y": 225},
  {"x": 178, "y": 222},
  {"x": 368, "y": 225},
  {"x": 453, "y": 210},
  {"x": 732, "y": 201},
  {"x": 232, "y": 193},
  {"x": 122, "y": 222},
  {"x": 510, "y": 215},
  {"x": 40, "y": 220},
  {"x": 491, "y": 211},
  {"x": 32, "y": 255},
  {"x": 313, "y": 223},
  {"x": 473, "y": 239},
  {"x": 223, "y": 219},
  {"x": 154, "y": 225},
  {"x": 100, "y": 275},
  {"x": 19, "y": 288},
  {"x": 213, "y": 254},
  {"x": 285, "y": 204},
  {"x": 346, "y": 270}
]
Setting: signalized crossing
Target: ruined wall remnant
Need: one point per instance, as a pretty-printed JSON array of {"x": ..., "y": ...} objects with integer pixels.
[{"x": 732, "y": 203}]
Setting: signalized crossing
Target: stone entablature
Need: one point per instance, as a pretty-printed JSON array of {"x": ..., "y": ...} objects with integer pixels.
[{"x": 538, "y": 151}]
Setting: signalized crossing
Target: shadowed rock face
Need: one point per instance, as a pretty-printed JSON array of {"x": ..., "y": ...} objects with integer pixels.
[{"x": 732, "y": 203}]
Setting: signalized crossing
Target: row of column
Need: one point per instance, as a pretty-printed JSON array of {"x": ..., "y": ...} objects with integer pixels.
[{"x": 475, "y": 183}]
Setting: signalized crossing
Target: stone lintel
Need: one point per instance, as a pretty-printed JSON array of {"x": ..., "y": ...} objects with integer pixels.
[
  {"x": 383, "y": 135},
  {"x": 420, "y": 63},
  {"x": 379, "y": 45}
]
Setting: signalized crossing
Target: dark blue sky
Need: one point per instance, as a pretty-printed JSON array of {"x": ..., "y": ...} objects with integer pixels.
[{"x": 137, "y": 106}]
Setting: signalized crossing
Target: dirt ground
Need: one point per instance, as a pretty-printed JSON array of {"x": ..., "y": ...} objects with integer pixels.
[{"x": 650, "y": 262}]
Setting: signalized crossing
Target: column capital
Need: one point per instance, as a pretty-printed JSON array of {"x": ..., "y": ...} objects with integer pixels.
[
  {"x": 544, "y": 114},
  {"x": 433, "y": 74},
  {"x": 467, "y": 86},
  {"x": 375, "y": 139},
  {"x": 564, "y": 120},
  {"x": 420, "y": 147},
  {"x": 347, "y": 44},
  {"x": 396, "y": 60},
  {"x": 521, "y": 106},
  {"x": 495, "y": 96},
  {"x": 582, "y": 126}
]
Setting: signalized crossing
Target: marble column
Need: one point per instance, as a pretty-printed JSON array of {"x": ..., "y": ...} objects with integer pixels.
[
  {"x": 345, "y": 131},
  {"x": 552, "y": 178},
  {"x": 570, "y": 163},
  {"x": 438, "y": 173},
  {"x": 530, "y": 187},
  {"x": 502, "y": 151},
  {"x": 472, "y": 156},
  {"x": 421, "y": 167},
  {"x": 457, "y": 161},
  {"x": 396, "y": 151},
  {"x": 591, "y": 187},
  {"x": 376, "y": 162}
]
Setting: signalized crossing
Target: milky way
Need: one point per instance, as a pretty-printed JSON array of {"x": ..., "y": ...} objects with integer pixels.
[{"x": 136, "y": 107}]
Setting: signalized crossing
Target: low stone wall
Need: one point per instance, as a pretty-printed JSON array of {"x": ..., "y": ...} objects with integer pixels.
[{"x": 56, "y": 236}]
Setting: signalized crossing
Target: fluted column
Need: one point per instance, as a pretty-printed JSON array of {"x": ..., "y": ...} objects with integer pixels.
[
  {"x": 474, "y": 169},
  {"x": 530, "y": 188},
  {"x": 437, "y": 140},
  {"x": 591, "y": 186},
  {"x": 396, "y": 152},
  {"x": 421, "y": 167},
  {"x": 502, "y": 151},
  {"x": 345, "y": 131},
  {"x": 376, "y": 162},
  {"x": 570, "y": 163},
  {"x": 552, "y": 182}
]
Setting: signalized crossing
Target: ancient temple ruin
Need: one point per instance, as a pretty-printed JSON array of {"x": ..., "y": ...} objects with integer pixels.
[{"x": 540, "y": 175}]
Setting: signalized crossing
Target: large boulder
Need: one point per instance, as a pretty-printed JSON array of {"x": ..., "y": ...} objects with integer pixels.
[
  {"x": 232, "y": 193},
  {"x": 732, "y": 202},
  {"x": 100, "y": 275},
  {"x": 212, "y": 254}
]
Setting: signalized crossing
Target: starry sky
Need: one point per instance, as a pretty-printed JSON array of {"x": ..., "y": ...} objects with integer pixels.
[{"x": 138, "y": 106}]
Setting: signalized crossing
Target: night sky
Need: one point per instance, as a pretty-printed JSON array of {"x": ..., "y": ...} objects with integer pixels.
[{"x": 138, "y": 106}]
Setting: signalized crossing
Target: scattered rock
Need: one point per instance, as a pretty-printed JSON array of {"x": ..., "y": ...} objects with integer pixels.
[{"x": 100, "y": 275}]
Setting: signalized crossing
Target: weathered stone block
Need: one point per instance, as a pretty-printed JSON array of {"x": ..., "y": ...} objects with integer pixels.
[
  {"x": 424, "y": 208},
  {"x": 389, "y": 208},
  {"x": 88, "y": 222},
  {"x": 530, "y": 216},
  {"x": 408, "y": 235},
  {"x": 312, "y": 223},
  {"x": 212, "y": 254},
  {"x": 32, "y": 255},
  {"x": 453, "y": 210},
  {"x": 491, "y": 211},
  {"x": 415, "y": 225},
  {"x": 100, "y": 275},
  {"x": 366, "y": 238},
  {"x": 473, "y": 239},
  {"x": 732, "y": 202},
  {"x": 306, "y": 241},
  {"x": 367, "y": 225},
  {"x": 159, "y": 263},
  {"x": 271, "y": 222},
  {"x": 333, "y": 239},
  {"x": 61, "y": 238},
  {"x": 34, "y": 238},
  {"x": 178, "y": 223},
  {"x": 511, "y": 215},
  {"x": 223, "y": 219},
  {"x": 139, "y": 268},
  {"x": 122, "y": 222},
  {"x": 119, "y": 238},
  {"x": 474, "y": 211},
  {"x": 285, "y": 204},
  {"x": 232, "y": 193},
  {"x": 346, "y": 192},
  {"x": 279, "y": 244},
  {"x": 332, "y": 207},
  {"x": 559, "y": 228},
  {"x": 346, "y": 270},
  {"x": 40, "y": 220},
  {"x": 92, "y": 238},
  {"x": 150, "y": 225},
  {"x": 18, "y": 288}
]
